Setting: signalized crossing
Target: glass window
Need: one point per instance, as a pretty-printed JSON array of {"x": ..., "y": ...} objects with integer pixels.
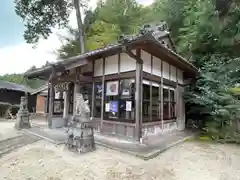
[
  {"x": 146, "y": 103},
  {"x": 119, "y": 100},
  {"x": 127, "y": 100},
  {"x": 156, "y": 105},
  {"x": 166, "y": 103},
  {"x": 98, "y": 100},
  {"x": 172, "y": 104},
  {"x": 71, "y": 92}
]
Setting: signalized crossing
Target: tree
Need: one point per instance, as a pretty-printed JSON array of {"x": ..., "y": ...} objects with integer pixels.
[
  {"x": 104, "y": 25},
  {"x": 42, "y": 15}
]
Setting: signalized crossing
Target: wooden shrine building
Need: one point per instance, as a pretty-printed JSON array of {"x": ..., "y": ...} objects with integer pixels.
[{"x": 135, "y": 87}]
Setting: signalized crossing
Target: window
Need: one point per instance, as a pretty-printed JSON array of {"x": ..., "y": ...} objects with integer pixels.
[
  {"x": 127, "y": 100},
  {"x": 146, "y": 102},
  {"x": 58, "y": 103},
  {"x": 119, "y": 102},
  {"x": 169, "y": 103},
  {"x": 156, "y": 103},
  {"x": 98, "y": 100},
  {"x": 166, "y": 103},
  {"x": 152, "y": 102},
  {"x": 172, "y": 104},
  {"x": 71, "y": 94}
]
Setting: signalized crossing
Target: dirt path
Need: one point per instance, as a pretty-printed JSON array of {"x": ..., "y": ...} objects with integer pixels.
[{"x": 191, "y": 160}]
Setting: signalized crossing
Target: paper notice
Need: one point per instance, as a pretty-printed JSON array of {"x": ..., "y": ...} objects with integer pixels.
[
  {"x": 128, "y": 105},
  {"x": 107, "y": 107}
]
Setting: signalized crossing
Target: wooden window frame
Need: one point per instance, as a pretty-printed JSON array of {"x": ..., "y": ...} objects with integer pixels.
[{"x": 118, "y": 97}]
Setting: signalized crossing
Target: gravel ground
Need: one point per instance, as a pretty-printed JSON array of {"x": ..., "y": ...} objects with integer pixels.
[
  {"x": 7, "y": 130},
  {"x": 190, "y": 160}
]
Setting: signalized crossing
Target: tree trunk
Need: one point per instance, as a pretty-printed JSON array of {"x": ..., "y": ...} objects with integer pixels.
[{"x": 80, "y": 26}]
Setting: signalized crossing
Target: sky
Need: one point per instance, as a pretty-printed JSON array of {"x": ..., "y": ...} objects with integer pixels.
[{"x": 16, "y": 55}]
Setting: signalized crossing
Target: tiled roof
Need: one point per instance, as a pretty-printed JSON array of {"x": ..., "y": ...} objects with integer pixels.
[
  {"x": 125, "y": 40},
  {"x": 13, "y": 86}
]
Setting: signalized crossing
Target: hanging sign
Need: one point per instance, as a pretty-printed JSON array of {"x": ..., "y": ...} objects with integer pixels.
[
  {"x": 112, "y": 88},
  {"x": 61, "y": 87}
]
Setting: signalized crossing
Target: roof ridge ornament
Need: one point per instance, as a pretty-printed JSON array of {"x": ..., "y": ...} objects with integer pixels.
[{"x": 154, "y": 29}]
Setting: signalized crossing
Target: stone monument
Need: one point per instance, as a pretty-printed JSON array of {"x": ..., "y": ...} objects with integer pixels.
[
  {"x": 23, "y": 115},
  {"x": 80, "y": 131}
]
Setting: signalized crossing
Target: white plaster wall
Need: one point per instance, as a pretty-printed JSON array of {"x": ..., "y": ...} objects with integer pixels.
[
  {"x": 111, "y": 64},
  {"x": 98, "y": 67},
  {"x": 127, "y": 63},
  {"x": 146, "y": 57},
  {"x": 156, "y": 69},
  {"x": 180, "y": 76},
  {"x": 165, "y": 70},
  {"x": 173, "y": 73}
]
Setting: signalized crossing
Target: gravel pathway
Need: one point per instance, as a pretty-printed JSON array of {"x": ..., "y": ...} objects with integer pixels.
[
  {"x": 13, "y": 143},
  {"x": 190, "y": 160}
]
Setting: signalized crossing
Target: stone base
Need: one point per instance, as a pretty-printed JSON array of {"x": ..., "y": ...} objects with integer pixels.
[
  {"x": 22, "y": 122},
  {"x": 81, "y": 145}
]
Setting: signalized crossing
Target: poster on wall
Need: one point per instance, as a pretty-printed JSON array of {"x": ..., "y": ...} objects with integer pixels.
[
  {"x": 126, "y": 87},
  {"x": 128, "y": 105},
  {"x": 112, "y": 88},
  {"x": 113, "y": 106}
]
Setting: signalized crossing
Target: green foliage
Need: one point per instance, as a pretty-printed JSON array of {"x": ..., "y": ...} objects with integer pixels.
[
  {"x": 41, "y": 16},
  {"x": 104, "y": 25},
  {"x": 19, "y": 79}
]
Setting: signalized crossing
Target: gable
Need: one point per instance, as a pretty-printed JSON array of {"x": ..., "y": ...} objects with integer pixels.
[{"x": 167, "y": 42}]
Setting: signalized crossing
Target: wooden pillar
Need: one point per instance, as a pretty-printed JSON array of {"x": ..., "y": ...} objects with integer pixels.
[
  {"x": 93, "y": 91},
  {"x": 103, "y": 95},
  {"x": 51, "y": 104},
  {"x": 176, "y": 97},
  {"x": 161, "y": 90},
  {"x": 169, "y": 99},
  {"x": 52, "y": 97},
  {"x": 138, "y": 98},
  {"x": 93, "y": 99},
  {"x": 48, "y": 100}
]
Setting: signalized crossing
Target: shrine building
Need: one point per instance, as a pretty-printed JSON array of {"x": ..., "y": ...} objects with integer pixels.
[{"x": 134, "y": 87}]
